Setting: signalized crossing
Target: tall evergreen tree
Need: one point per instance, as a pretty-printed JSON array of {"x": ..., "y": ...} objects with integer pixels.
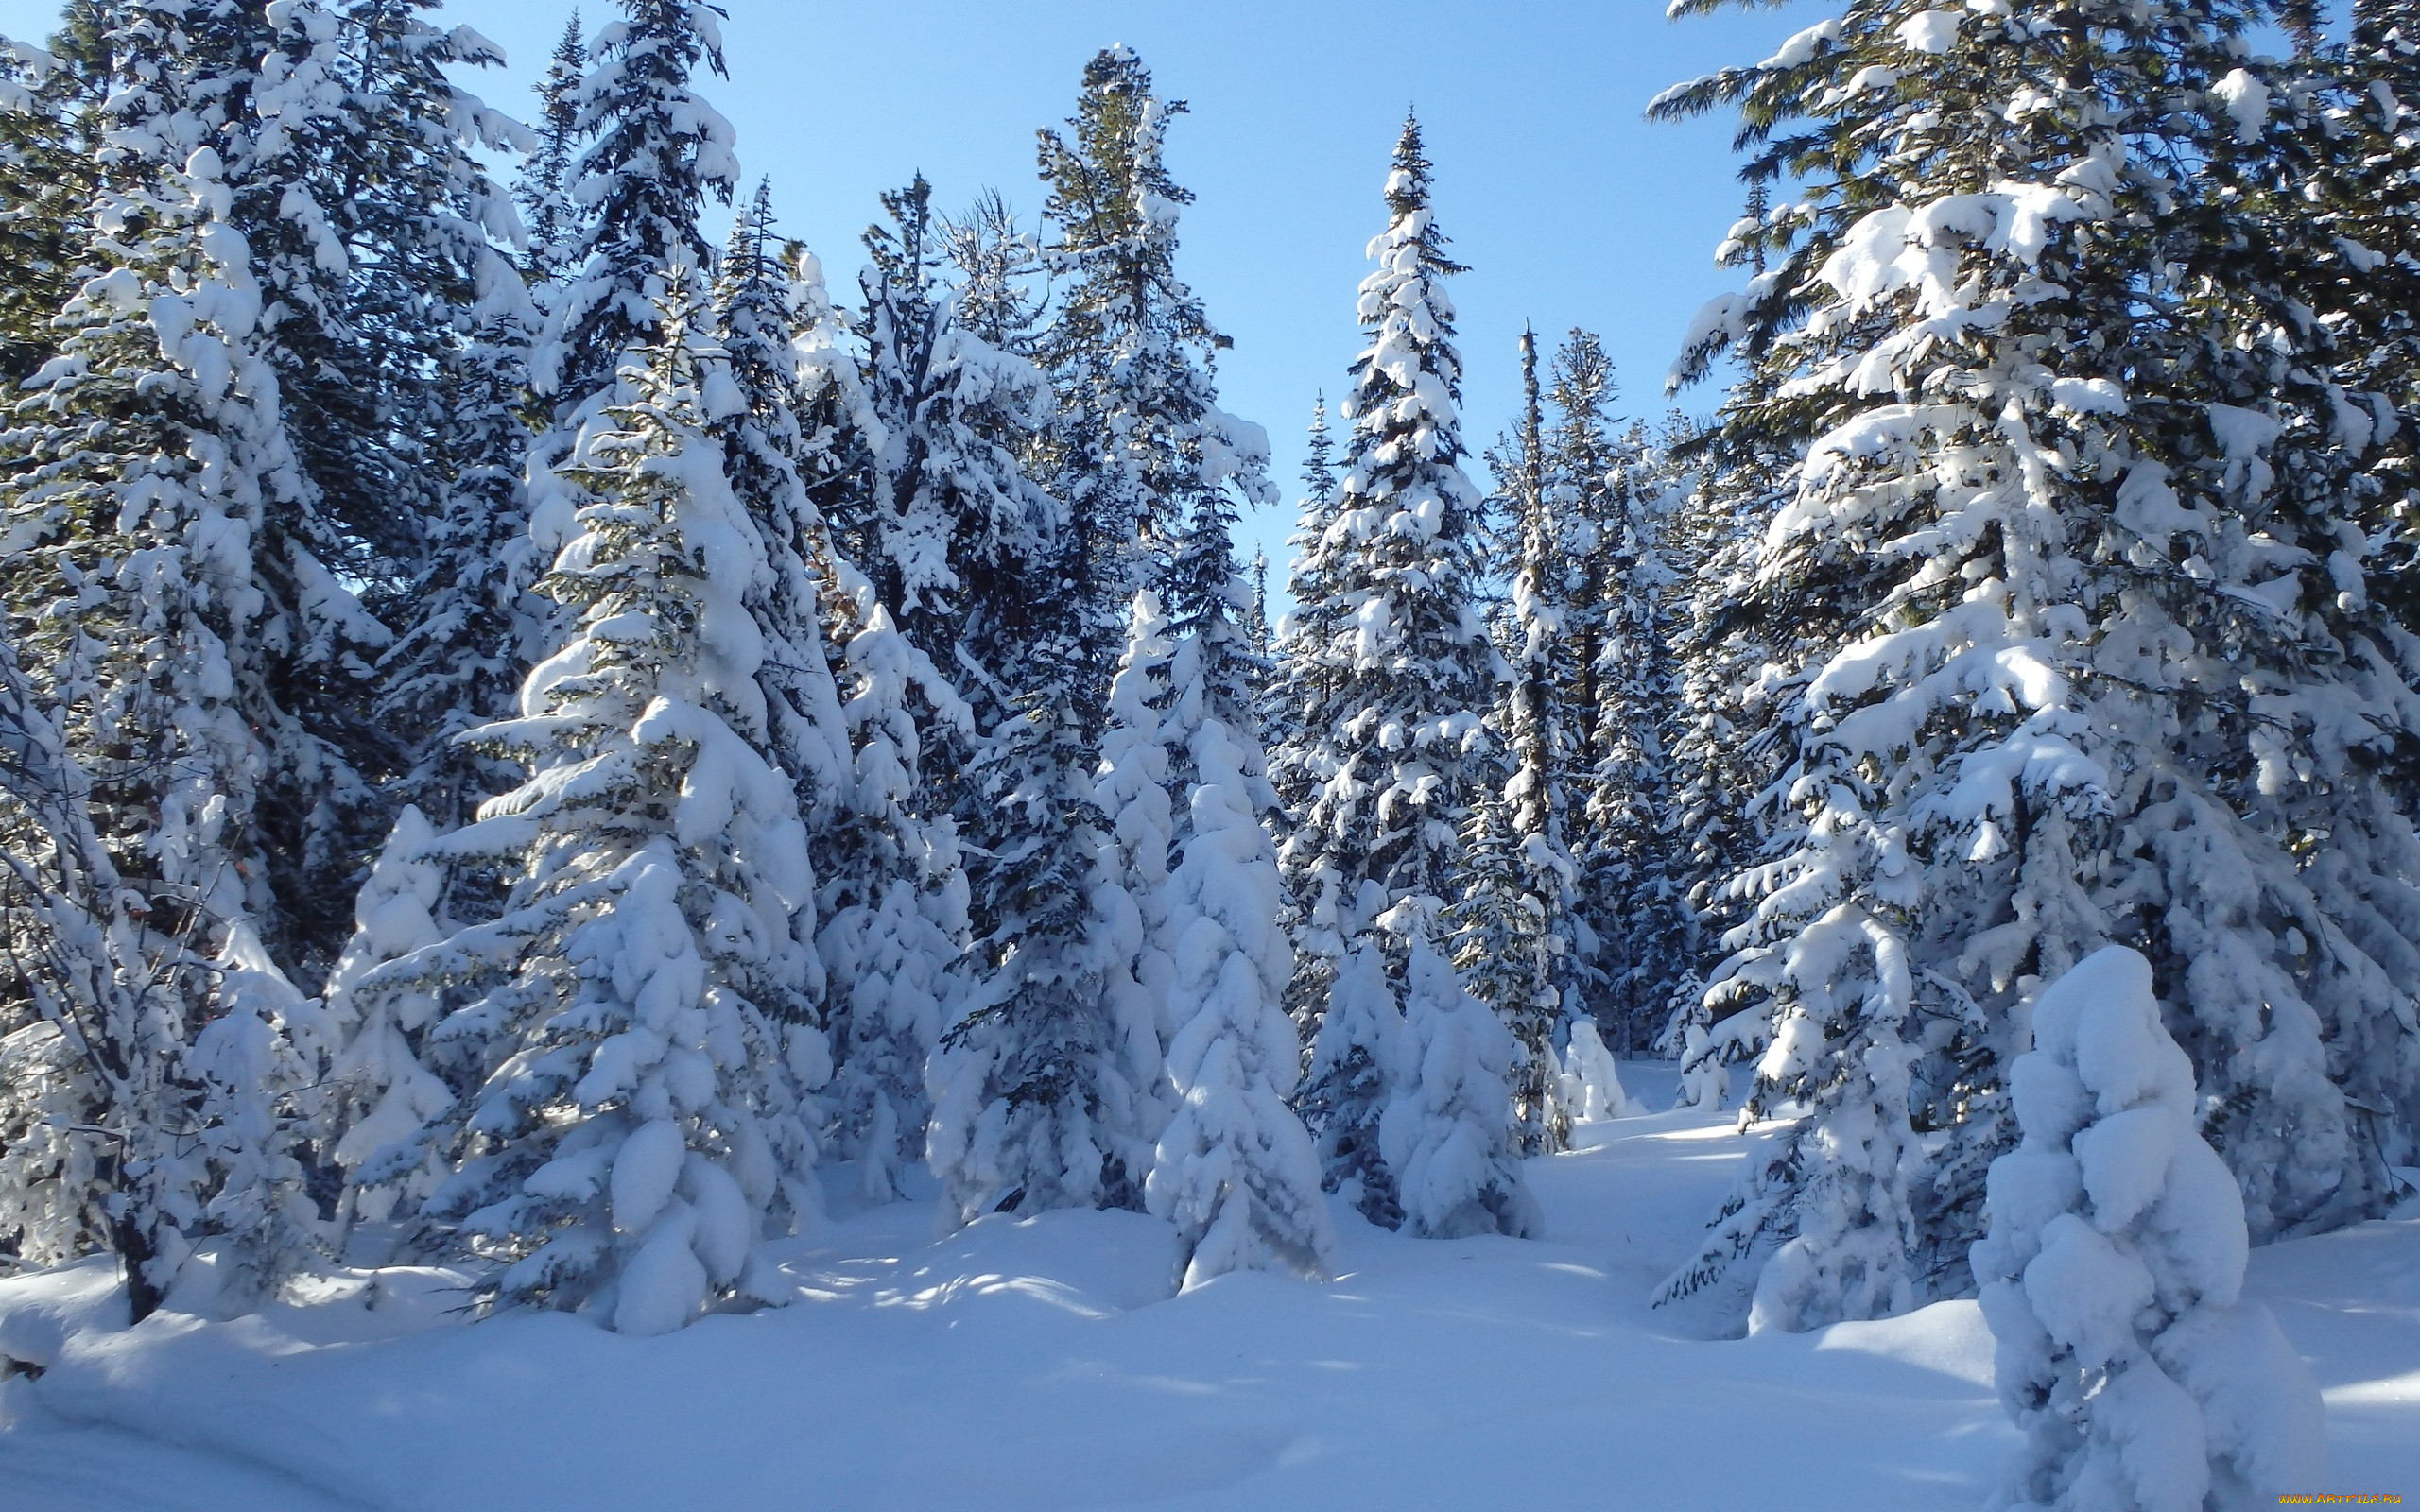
[
  {"x": 543, "y": 188},
  {"x": 2104, "y": 678},
  {"x": 160, "y": 586},
  {"x": 475, "y": 624},
  {"x": 949, "y": 523},
  {"x": 622, "y": 1138},
  {"x": 1140, "y": 438},
  {"x": 656, "y": 150},
  {"x": 1391, "y": 674},
  {"x": 1235, "y": 1167},
  {"x": 1533, "y": 990}
]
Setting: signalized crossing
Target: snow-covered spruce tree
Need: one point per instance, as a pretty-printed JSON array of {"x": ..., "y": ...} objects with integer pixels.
[
  {"x": 1727, "y": 746},
  {"x": 1045, "y": 1092},
  {"x": 371, "y": 228},
  {"x": 1296, "y": 691},
  {"x": 477, "y": 624},
  {"x": 1260, "y": 631},
  {"x": 950, "y": 527},
  {"x": 2351, "y": 162},
  {"x": 633, "y": 1039},
  {"x": 1391, "y": 674},
  {"x": 161, "y": 603},
  {"x": 2112, "y": 1273},
  {"x": 1046, "y": 1088},
  {"x": 543, "y": 189},
  {"x": 358, "y": 183},
  {"x": 1444, "y": 1133},
  {"x": 894, "y": 900},
  {"x": 1139, "y": 437},
  {"x": 1519, "y": 896},
  {"x": 1235, "y": 1168},
  {"x": 1132, "y": 787},
  {"x": 1633, "y": 688},
  {"x": 755, "y": 415},
  {"x": 2105, "y": 677},
  {"x": 656, "y": 150},
  {"x": 1501, "y": 949},
  {"x": 93, "y": 1148},
  {"x": 843, "y": 719},
  {"x": 180, "y": 81},
  {"x": 1349, "y": 1083},
  {"x": 377, "y": 1092}
]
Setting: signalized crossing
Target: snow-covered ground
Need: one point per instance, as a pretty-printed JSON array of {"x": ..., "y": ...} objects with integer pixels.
[{"x": 1041, "y": 1364}]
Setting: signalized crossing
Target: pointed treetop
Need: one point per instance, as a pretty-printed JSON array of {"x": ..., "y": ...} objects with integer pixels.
[
  {"x": 754, "y": 251},
  {"x": 1319, "y": 473},
  {"x": 1407, "y": 185}
]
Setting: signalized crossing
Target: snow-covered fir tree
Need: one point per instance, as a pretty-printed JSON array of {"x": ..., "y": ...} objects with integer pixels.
[
  {"x": 1519, "y": 940},
  {"x": 1444, "y": 1132},
  {"x": 1132, "y": 787},
  {"x": 1295, "y": 688},
  {"x": 656, "y": 150},
  {"x": 848, "y": 701},
  {"x": 2112, "y": 1274},
  {"x": 1235, "y": 1168},
  {"x": 2344, "y": 185},
  {"x": 1139, "y": 436},
  {"x": 1500, "y": 944},
  {"x": 1046, "y": 1091},
  {"x": 477, "y": 622},
  {"x": 894, "y": 897},
  {"x": 950, "y": 524},
  {"x": 543, "y": 188},
  {"x": 1351, "y": 1081},
  {"x": 1391, "y": 674},
  {"x": 633, "y": 1041},
  {"x": 1631, "y": 684},
  {"x": 754, "y": 408},
  {"x": 2108, "y": 672},
  {"x": 162, "y": 599}
]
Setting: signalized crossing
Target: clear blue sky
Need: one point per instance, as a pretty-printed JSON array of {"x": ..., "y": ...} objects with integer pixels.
[{"x": 1569, "y": 207}]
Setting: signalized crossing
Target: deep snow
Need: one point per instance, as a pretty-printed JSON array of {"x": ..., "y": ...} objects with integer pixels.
[{"x": 1042, "y": 1364}]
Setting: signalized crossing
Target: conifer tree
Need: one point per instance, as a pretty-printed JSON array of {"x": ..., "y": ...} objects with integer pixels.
[
  {"x": 160, "y": 590},
  {"x": 1140, "y": 437},
  {"x": 624, "y": 1137},
  {"x": 1295, "y": 693},
  {"x": 1502, "y": 950},
  {"x": 894, "y": 897},
  {"x": 1393, "y": 675},
  {"x": 756, "y": 417},
  {"x": 2103, "y": 673},
  {"x": 1235, "y": 1167},
  {"x": 1045, "y": 1089},
  {"x": 1530, "y": 909},
  {"x": 656, "y": 150},
  {"x": 477, "y": 622},
  {"x": 1444, "y": 1133},
  {"x": 949, "y": 525},
  {"x": 543, "y": 188},
  {"x": 2113, "y": 1275}
]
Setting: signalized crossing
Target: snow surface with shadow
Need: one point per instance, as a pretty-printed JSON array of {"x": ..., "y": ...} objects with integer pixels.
[{"x": 1043, "y": 1364}]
